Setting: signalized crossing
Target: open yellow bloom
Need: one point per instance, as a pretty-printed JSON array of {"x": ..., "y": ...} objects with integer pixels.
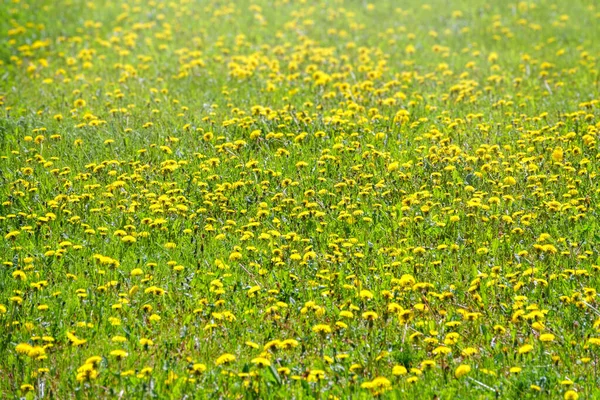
[
  {"x": 526, "y": 348},
  {"x": 261, "y": 362},
  {"x": 225, "y": 359},
  {"x": 462, "y": 370}
]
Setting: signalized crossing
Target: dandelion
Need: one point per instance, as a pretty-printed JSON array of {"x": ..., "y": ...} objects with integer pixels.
[
  {"x": 23, "y": 348},
  {"x": 154, "y": 318},
  {"x": 557, "y": 154},
  {"x": 225, "y": 359},
  {"x": 399, "y": 370},
  {"x": 119, "y": 354},
  {"x": 75, "y": 341},
  {"x": 198, "y": 369},
  {"x": 462, "y": 370},
  {"x": 525, "y": 349},
  {"x": 94, "y": 360},
  {"x": 547, "y": 337},
  {"x": 393, "y": 166},
  {"x": 469, "y": 351},
  {"x": 377, "y": 385},
  {"x": 571, "y": 395},
  {"x": 315, "y": 375},
  {"x": 26, "y": 387},
  {"x": 128, "y": 239},
  {"x": 370, "y": 315},
  {"x": 261, "y": 362},
  {"x": 441, "y": 350},
  {"x": 11, "y": 235},
  {"x": 321, "y": 328}
]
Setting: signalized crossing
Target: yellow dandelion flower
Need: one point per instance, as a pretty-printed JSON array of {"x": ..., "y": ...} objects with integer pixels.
[
  {"x": 526, "y": 348},
  {"x": 462, "y": 370},
  {"x": 260, "y": 362},
  {"x": 225, "y": 359}
]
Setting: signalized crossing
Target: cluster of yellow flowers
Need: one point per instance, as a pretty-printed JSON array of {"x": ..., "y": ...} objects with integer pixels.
[{"x": 299, "y": 198}]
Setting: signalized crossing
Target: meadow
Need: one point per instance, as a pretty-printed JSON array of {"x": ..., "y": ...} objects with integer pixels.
[{"x": 299, "y": 199}]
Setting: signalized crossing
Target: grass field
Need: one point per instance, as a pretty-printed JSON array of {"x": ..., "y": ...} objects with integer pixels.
[{"x": 299, "y": 199}]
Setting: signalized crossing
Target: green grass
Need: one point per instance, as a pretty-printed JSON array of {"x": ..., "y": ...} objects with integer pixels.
[{"x": 234, "y": 177}]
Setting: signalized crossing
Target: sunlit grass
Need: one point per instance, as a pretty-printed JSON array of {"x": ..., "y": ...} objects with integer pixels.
[{"x": 294, "y": 199}]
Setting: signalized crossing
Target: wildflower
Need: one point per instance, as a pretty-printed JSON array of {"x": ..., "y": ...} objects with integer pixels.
[
  {"x": 370, "y": 315},
  {"x": 87, "y": 373},
  {"x": 393, "y": 166},
  {"x": 321, "y": 328},
  {"x": 462, "y": 370},
  {"x": 26, "y": 387},
  {"x": 377, "y": 385},
  {"x": 225, "y": 359},
  {"x": 289, "y": 344},
  {"x": 557, "y": 154},
  {"x": 12, "y": 235},
  {"x": 399, "y": 370},
  {"x": 571, "y": 395},
  {"x": 451, "y": 338},
  {"x": 525, "y": 349},
  {"x": 469, "y": 351},
  {"x": 145, "y": 372},
  {"x": 341, "y": 325},
  {"x": 94, "y": 360},
  {"x": 443, "y": 350},
  {"x": 154, "y": 318},
  {"x": 261, "y": 362},
  {"x": 23, "y": 348},
  {"x": 315, "y": 375},
  {"x": 198, "y": 369},
  {"x": 75, "y": 341},
  {"x": 547, "y": 337},
  {"x": 119, "y": 354},
  {"x": 19, "y": 275},
  {"x": 37, "y": 352},
  {"x": 128, "y": 239}
]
